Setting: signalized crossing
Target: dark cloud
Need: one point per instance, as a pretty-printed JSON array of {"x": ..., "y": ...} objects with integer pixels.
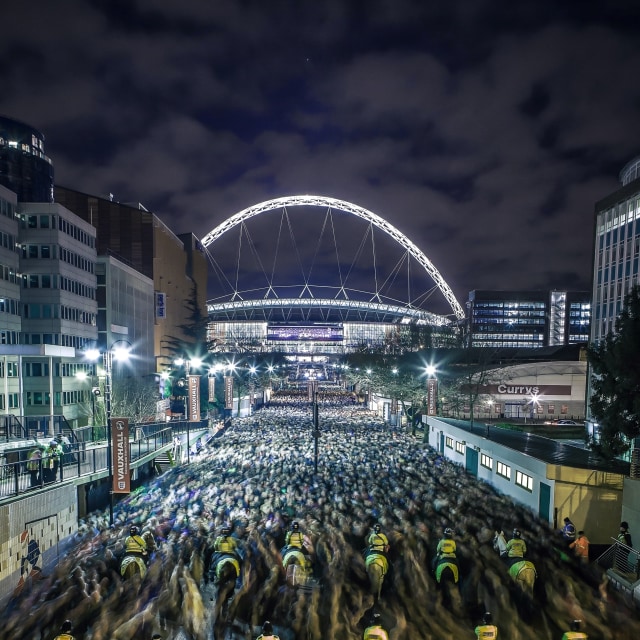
[{"x": 484, "y": 131}]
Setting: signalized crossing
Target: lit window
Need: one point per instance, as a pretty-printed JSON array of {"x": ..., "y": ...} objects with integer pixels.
[
  {"x": 503, "y": 470},
  {"x": 524, "y": 481},
  {"x": 486, "y": 461},
  {"x": 449, "y": 442},
  {"x": 460, "y": 447}
]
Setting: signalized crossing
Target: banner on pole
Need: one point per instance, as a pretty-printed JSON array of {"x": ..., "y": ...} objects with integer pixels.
[
  {"x": 194, "y": 398},
  {"x": 120, "y": 463},
  {"x": 432, "y": 396},
  {"x": 212, "y": 389},
  {"x": 228, "y": 392}
]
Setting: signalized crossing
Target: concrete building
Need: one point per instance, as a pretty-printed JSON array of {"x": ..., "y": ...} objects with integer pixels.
[
  {"x": 126, "y": 312},
  {"x": 176, "y": 265},
  {"x": 540, "y": 391},
  {"x": 10, "y": 317},
  {"x": 56, "y": 299}
]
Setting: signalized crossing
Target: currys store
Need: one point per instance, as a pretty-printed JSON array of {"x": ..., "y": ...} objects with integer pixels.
[{"x": 542, "y": 391}]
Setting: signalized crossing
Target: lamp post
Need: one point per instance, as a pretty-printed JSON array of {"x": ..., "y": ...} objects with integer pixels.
[
  {"x": 316, "y": 425},
  {"x": 95, "y": 391},
  {"x": 432, "y": 397},
  {"x": 120, "y": 354}
]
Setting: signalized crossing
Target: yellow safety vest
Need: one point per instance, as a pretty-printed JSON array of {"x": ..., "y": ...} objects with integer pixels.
[
  {"x": 447, "y": 548},
  {"x": 34, "y": 457},
  {"x": 135, "y": 544},
  {"x": 378, "y": 541},
  {"x": 376, "y": 632},
  {"x": 295, "y": 539},
  {"x": 516, "y": 548},
  {"x": 574, "y": 635},
  {"x": 488, "y": 631},
  {"x": 224, "y": 544}
]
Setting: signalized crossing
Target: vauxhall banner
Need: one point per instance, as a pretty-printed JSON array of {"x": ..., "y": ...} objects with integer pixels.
[
  {"x": 432, "y": 396},
  {"x": 121, "y": 481},
  {"x": 228, "y": 392},
  {"x": 194, "y": 398}
]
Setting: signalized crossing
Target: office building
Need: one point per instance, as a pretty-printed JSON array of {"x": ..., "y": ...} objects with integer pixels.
[
  {"x": 529, "y": 319},
  {"x": 616, "y": 250},
  {"x": 24, "y": 167},
  {"x": 51, "y": 312}
]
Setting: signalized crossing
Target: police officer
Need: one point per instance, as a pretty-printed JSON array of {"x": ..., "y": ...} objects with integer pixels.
[
  {"x": 574, "y": 633},
  {"x": 34, "y": 466},
  {"x": 568, "y": 531},
  {"x": 447, "y": 545},
  {"x": 294, "y": 537},
  {"x": 135, "y": 545},
  {"x": 65, "y": 631},
  {"x": 375, "y": 631},
  {"x": 267, "y": 632},
  {"x": 378, "y": 541},
  {"x": 624, "y": 536},
  {"x": 224, "y": 543},
  {"x": 516, "y": 548},
  {"x": 486, "y": 630}
]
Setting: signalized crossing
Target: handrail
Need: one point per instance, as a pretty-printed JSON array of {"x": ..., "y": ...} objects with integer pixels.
[{"x": 622, "y": 560}]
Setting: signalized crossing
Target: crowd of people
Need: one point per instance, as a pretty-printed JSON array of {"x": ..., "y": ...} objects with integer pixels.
[{"x": 256, "y": 480}]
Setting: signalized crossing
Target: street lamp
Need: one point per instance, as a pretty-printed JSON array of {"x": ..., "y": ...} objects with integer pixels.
[{"x": 95, "y": 391}]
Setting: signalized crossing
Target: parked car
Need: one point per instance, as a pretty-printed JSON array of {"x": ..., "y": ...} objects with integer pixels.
[{"x": 565, "y": 423}]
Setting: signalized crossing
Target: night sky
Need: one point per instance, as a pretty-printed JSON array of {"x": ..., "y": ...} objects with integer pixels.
[{"x": 485, "y": 131}]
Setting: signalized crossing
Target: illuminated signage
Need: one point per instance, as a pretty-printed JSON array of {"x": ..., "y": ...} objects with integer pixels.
[
  {"x": 316, "y": 332},
  {"x": 194, "y": 398},
  {"x": 161, "y": 305}
]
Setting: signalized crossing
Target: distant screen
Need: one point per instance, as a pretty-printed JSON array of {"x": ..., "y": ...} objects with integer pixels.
[{"x": 314, "y": 332}]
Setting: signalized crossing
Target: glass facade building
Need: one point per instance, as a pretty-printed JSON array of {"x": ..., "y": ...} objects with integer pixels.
[
  {"x": 616, "y": 250},
  {"x": 528, "y": 319}
]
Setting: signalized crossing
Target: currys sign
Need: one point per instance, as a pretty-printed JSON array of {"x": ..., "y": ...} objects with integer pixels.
[{"x": 526, "y": 390}]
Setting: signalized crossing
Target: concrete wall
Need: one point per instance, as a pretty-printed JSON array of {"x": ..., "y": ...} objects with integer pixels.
[{"x": 41, "y": 523}]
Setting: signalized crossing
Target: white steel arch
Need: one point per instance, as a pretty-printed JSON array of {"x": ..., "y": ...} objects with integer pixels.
[{"x": 347, "y": 207}]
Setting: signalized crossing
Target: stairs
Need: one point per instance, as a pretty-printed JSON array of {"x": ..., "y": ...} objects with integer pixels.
[{"x": 163, "y": 462}]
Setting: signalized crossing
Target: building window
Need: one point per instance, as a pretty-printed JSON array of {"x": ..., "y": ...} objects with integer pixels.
[
  {"x": 460, "y": 446},
  {"x": 449, "y": 442},
  {"x": 486, "y": 461},
  {"x": 524, "y": 481},
  {"x": 503, "y": 470}
]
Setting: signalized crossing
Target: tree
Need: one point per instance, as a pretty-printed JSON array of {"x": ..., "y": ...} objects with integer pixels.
[
  {"x": 466, "y": 377},
  {"x": 615, "y": 382}
]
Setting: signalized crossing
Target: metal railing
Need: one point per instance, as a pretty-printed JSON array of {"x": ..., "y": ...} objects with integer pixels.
[
  {"x": 622, "y": 560},
  {"x": 11, "y": 428},
  {"x": 85, "y": 456}
]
